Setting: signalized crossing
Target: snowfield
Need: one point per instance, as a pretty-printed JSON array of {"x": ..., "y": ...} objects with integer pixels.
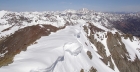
[{"x": 62, "y": 51}]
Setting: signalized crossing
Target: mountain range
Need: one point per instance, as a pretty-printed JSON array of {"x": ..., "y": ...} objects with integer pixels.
[{"x": 69, "y": 41}]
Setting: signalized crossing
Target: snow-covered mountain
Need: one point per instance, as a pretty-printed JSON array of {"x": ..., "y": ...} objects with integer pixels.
[{"x": 69, "y": 41}]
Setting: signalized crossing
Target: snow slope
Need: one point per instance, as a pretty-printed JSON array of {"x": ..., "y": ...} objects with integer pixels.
[{"x": 63, "y": 51}]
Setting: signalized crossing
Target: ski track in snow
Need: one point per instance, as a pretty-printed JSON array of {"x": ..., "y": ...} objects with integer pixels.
[
  {"x": 62, "y": 58},
  {"x": 51, "y": 68}
]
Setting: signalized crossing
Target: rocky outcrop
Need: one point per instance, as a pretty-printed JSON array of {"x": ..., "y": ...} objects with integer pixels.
[
  {"x": 94, "y": 28},
  {"x": 21, "y": 39},
  {"x": 82, "y": 70},
  {"x": 92, "y": 69},
  {"x": 120, "y": 54},
  {"x": 100, "y": 47},
  {"x": 128, "y": 36},
  {"x": 101, "y": 51},
  {"x": 117, "y": 49},
  {"x": 89, "y": 54},
  {"x": 7, "y": 29}
]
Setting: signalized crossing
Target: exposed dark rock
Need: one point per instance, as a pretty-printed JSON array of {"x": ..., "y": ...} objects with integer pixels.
[
  {"x": 86, "y": 43},
  {"x": 85, "y": 29},
  {"x": 100, "y": 47},
  {"x": 89, "y": 54},
  {"x": 120, "y": 54},
  {"x": 130, "y": 36},
  {"x": 7, "y": 29},
  {"x": 82, "y": 70},
  {"x": 92, "y": 69},
  {"x": 94, "y": 28}
]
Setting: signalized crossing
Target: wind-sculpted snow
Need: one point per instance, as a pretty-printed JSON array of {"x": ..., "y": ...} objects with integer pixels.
[{"x": 72, "y": 48}]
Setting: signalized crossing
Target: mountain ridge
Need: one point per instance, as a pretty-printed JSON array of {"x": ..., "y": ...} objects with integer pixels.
[{"x": 76, "y": 41}]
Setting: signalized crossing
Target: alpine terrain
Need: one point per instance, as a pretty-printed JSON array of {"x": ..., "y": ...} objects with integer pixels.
[{"x": 69, "y": 41}]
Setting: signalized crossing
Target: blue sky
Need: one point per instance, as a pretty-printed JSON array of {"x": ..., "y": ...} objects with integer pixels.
[{"x": 59, "y": 5}]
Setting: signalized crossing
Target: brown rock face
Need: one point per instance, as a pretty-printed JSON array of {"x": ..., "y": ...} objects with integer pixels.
[
  {"x": 120, "y": 54},
  {"x": 92, "y": 69},
  {"x": 21, "y": 39},
  {"x": 117, "y": 49},
  {"x": 101, "y": 51},
  {"x": 100, "y": 47},
  {"x": 94, "y": 28}
]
